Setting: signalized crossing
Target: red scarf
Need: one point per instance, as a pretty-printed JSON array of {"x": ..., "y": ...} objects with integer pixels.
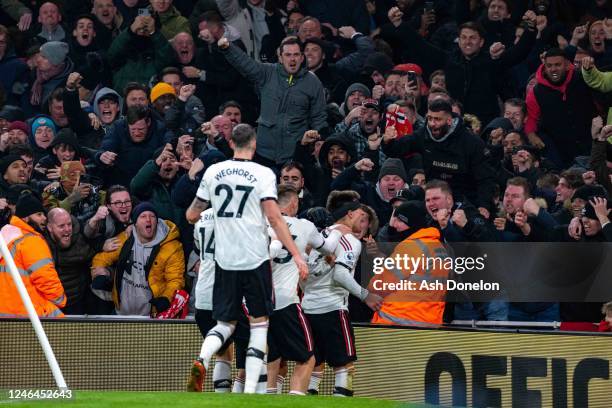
[{"x": 41, "y": 78}]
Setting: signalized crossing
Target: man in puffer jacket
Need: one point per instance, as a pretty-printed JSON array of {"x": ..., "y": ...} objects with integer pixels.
[{"x": 148, "y": 267}]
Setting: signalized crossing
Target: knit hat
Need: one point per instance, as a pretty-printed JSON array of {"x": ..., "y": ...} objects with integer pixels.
[
  {"x": 54, "y": 51},
  {"x": 377, "y": 61},
  {"x": 409, "y": 67},
  {"x": 589, "y": 211},
  {"x": 28, "y": 205},
  {"x": 15, "y": 191},
  {"x": 211, "y": 157},
  {"x": 412, "y": 213},
  {"x": 7, "y": 161},
  {"x": 12, "y": 113},
  {"x": 358, "y": 87},
  {"x": 43, "y": 121},
  {"x": 496, "y": 123},
  {"x": 394, "y": 167},
  {"x": 19, "y": 125},
  {"x": 65, "y": 136},
  {"x": 412, "y": 193},
  {"x": 142, "y": 207},
  {"x": 160, "y": 89},
  {"x": 587, "y": 192}
]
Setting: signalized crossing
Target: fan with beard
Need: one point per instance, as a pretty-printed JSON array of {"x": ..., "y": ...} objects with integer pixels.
[{"x": 29, "y": 208}]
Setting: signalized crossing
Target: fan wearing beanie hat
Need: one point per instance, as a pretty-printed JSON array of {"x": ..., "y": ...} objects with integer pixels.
[
  {"x": 596, "y": 220},
  {"x": 43, "y": 133},
  {"x": 18, "y": 133},
  {"x": 391, "y": 178},
  {"x": 149, "y": 267},
  {"x": 24, "y": 239},
  {"x": 163, "y": 96},
  {"x": 52, "y": 66},
  {"x": 30, "y": 209},
  {"x": 13, "y": 169},
  {"x": 55, "y": 52},
  {"x": 418, "y": 304},
  {"x": 355, "y": 94}
]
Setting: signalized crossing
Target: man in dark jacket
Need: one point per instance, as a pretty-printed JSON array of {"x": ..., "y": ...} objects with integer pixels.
[
  {"x": 391, "y": 179},
  {"x": 72, "y": 256},
  {"x": 216, "y": 80},
  {"x": 473, "y": 75},
  {"x": 560, "y": 109},
  {"x": 13, "y": 71},
  {"x": 155, "y": 181},
  {"x": 450, "y": 153},
  {"x": 129, "y": 144},
  {"x": 334, "y": 156},
  {"x": 292, "y": 99},
  {"x": 335, "y": 77}
]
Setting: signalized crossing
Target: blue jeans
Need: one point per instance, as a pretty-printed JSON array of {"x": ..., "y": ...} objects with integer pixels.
[
  {"x": 494, "y": 310},
  {"x": 534, "y": 312}
]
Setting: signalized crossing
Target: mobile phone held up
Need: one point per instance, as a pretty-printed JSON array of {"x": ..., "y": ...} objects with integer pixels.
[{"x": 144, "y": 12}]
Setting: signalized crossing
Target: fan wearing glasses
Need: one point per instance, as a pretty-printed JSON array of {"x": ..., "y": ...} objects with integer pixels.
[{"x": 110, "y": 219}]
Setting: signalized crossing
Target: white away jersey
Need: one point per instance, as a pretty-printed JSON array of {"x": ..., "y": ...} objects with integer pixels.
[
  {"x": 322, "y": 294},
  {"x": 285, "y": 275},
  {"x": 204, "y": 241},
  {"x": 235, "y": 190}
]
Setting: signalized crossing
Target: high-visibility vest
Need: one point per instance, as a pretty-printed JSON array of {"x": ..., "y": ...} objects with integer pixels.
[
  {"x": 417, "y": 306},
  {"x": 37, "y": 270}
]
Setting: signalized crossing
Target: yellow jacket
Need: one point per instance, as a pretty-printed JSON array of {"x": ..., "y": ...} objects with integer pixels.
[
  {"x": 35, "y": 264},
  {"x": 600, "y": 81},
  {"x": 414, "y": 306},
  {"x": 166, "y": 275}
]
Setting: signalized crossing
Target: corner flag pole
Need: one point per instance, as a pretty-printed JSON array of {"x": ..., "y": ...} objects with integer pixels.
[{"x": 25, "y": 297}]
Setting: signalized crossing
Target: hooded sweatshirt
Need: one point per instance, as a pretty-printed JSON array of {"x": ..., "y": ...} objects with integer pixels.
[
  {"x": 135, "y": 290},
  {"x": 101, "y": 94}
]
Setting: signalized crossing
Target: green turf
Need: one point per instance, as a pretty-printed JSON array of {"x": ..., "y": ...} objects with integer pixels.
[{"x": 113, "y": 399}]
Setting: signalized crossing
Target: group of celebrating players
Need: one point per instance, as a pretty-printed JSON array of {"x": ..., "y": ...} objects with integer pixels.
[{"x": 255, "y": 254}]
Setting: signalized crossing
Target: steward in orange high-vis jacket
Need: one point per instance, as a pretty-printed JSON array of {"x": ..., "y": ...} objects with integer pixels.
[
  {"x": 421, "y": 297},
  {"x": 23, "y": 236}
]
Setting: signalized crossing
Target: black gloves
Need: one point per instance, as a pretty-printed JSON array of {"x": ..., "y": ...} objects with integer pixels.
[
  {"x": 161, "y": 303},
  {"x": 102, "y": 282}
]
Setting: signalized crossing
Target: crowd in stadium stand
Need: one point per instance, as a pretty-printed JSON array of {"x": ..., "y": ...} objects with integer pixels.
[{"x": 487, "y": 120}]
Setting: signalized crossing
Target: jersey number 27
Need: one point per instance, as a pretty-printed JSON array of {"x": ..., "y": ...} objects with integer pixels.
[{"x": 229, "y": 195}]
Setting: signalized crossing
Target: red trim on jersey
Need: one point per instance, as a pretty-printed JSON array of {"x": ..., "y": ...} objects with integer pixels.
[
  {"x": 245, "y": 310},
  {"x": 346, "y": 244},
  {"x": 346, "y": 332},
  {"x": 305, "y": 327}
]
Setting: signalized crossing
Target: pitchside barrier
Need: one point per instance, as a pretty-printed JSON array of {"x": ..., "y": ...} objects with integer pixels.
[{"x": 448, "y": 366}]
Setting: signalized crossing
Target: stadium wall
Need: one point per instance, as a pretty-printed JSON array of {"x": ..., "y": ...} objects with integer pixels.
[{"x": 448, "y": 366}]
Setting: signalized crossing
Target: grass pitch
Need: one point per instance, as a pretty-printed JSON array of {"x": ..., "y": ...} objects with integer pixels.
[{"x": 91, "y": 399}]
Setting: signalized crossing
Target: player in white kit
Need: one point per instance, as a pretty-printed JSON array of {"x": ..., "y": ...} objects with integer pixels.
[
  {"x": 290, "y": 336},
  {"x": 204, "y": 241},
  {"x": 326, "y": 294},
  {"x": 242, "y": 195}
]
